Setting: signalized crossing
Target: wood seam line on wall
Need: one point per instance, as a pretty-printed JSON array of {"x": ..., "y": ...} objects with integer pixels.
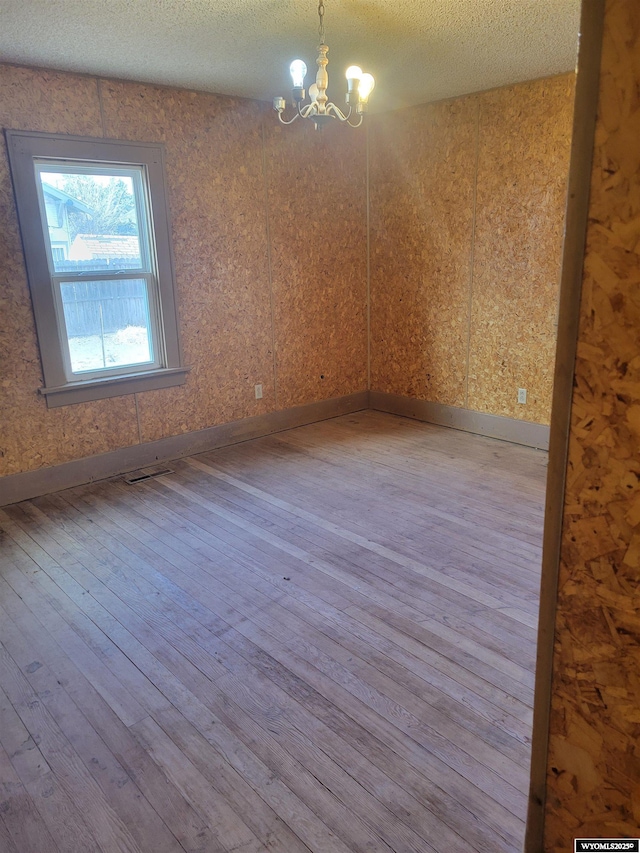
[
  {"x": 135, "y": 397},
  {"x": 576, "y": 219},
  {"x": 269, "y": 266},
  {"x": 472, "y": 257},
  {"x": 368, "y": 202},
  {"x": 104, "y": 134},
  {"x": 101, "y": 107}
]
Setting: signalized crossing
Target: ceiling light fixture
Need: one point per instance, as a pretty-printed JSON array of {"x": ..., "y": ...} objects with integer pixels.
[{"x": 359, "y": 87}]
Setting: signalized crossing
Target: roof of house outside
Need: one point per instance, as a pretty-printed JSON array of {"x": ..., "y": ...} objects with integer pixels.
[
  {"x": 88, "y": 247},
  {"x": 69, "y": 200}
]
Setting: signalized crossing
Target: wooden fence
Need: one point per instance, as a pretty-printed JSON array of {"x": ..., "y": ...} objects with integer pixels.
[{"x": 103, "y": 307}]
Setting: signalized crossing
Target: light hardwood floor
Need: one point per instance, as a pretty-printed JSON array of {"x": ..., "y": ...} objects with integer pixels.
[{"x": 322, "y": 640}]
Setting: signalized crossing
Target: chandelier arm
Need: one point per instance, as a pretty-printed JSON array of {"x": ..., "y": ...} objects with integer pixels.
[
  {"x": 351, "y": 124},
  {"x": 290, "y": 121},
  {"x": 337, "y": 112},
  {"x": 305, "y": 112}
]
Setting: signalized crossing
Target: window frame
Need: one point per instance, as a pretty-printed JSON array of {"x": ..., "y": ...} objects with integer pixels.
[
  {"x": 146, "y": 270},
  {"x": 25, "y": 150}
]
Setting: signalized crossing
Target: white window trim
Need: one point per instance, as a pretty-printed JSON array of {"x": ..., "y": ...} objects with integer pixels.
[{"x": 24, "y": 150}]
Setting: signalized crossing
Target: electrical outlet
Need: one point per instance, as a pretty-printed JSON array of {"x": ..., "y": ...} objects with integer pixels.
[
  {"x": 258, "y": 392},
  {"x": 522, "y": 395}
]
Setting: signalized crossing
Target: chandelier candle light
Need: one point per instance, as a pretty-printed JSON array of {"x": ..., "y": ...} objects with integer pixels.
[{"x": 359, "y": 87}]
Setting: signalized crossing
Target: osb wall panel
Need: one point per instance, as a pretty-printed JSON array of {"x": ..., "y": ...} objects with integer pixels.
[
  {"x": 422, "y": 170},
  {"x": 30, "y": 434},
  {"x": 467, "y": 214},
  {"x": 317, "y": 221},
  {"x": 523, "y": 165},
  {"x": 232, "y": 323},
  {"x": 593, "y": 762},
  {"x": 216, "y": 190},
  {"x": 226, "y": 158}
]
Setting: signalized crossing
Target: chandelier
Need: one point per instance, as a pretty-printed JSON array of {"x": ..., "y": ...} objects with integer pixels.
[{"x": 359, "y": 87}]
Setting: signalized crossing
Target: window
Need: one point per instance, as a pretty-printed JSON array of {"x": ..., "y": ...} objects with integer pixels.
[{"x": 95, "y": 231}]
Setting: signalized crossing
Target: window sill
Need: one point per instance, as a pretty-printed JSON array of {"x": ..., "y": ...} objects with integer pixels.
[{"x": 113, "y": 386}]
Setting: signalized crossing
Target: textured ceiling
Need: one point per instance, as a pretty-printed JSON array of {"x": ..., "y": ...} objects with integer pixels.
[{"x": 418, "y": 50}]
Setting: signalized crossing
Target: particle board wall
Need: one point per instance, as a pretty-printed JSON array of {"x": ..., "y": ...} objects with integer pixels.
[
  {"x": 30, "y": 434},
  {"x": 422, "y": 180},
  {"x": 318, "y": 259},
  {"x": 593, "y": 780},
  {"x": 269, "y": 235},
  {"x": 465, "y": 274},
  {"x": 215, "y": 181},
  {"x": 232, "y": 321},
  {"x": 524, "y": 140}
]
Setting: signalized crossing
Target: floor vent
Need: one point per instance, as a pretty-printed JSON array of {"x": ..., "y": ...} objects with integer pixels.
[{"x": 145, "y": 474}]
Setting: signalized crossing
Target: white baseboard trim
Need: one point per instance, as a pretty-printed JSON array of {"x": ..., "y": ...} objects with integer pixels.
[
  {"x": 31, "y": 484},
  {"x": 493, "y": 426}
]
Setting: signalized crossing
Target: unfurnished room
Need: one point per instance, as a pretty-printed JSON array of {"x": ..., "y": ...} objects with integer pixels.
[{"x": 319, "y": 426}]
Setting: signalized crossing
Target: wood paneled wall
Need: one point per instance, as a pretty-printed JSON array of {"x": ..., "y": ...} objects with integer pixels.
[
  {"x": 467, "y": 215},
  {"x": 422, "y": 178},
  {"x": 270, "y": 242},
  {"x": 593, "y": 778},
  {"x": 318, "y": 257},
  {"x": 261, "y": 299}
]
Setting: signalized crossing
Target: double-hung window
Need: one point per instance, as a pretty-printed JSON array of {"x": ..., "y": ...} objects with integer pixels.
[{"x": 95, "y": 230}]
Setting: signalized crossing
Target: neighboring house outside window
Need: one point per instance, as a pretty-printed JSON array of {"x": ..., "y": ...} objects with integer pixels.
[
  {"x": 58, "y": 205},
  {"x": 87, "y": 247},
  {"x": 95, "y": 229},
  {"x": 59, "y": 253}
]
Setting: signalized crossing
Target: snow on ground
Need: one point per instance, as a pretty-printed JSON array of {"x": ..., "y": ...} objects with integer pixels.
[{"x": 95, "y": 352}]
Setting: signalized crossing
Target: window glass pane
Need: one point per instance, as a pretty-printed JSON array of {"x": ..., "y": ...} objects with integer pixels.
[
  {"x": 92, "y": 218},
  {"x": 108, "y": 323}
]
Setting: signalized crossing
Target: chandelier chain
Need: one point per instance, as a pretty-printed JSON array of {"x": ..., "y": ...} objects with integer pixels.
[{"x": 321, "y": 16}]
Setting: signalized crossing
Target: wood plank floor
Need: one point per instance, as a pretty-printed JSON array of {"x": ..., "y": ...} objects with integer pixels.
[{"x": 322, "y": 640}]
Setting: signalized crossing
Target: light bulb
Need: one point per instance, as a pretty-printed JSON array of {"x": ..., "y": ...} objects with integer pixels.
[
  {"x": 353, "y": 74},
  {"x": 298, "y": 70},
  {"x": 313, "y": 92},
  {"x": 365, "y": 87}
]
